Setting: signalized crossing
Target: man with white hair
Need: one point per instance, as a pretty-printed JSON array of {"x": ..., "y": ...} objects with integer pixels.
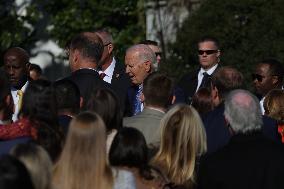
[
  {"x": 139, "y": 60},
  {"x": 249, "y": 160}
]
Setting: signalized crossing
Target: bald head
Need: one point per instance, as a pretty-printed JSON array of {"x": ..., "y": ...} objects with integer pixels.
[
  {"x": 15, "y": 61},
  {"x": 139, "y": 60}
]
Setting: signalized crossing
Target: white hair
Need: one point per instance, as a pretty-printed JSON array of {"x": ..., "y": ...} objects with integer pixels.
[
  {"x": 144, "y": 53},
  {"x": 242, "y": 111}
]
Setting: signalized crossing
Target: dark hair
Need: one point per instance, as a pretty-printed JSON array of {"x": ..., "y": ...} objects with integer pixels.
[
  {"x": 226, "y": 79},
  {"x": 149, "y": 42},
  {"x": 36, "y": 68},
  {"x": 89, "y": 45},
  {"x": 67, "y": 96},
  {"x": 202, "y": 101},
  {"x": 275, "y": 68},
  {"x": 5, "y": 90},
  {"x": 40, "y": 108},
  {"x": 106, "y": 104},
  {"x": 209, "y": 38},
  {"x": 13, "y": 174},
  {"x": 158, "y": 90},
  {"x": 129, "y": 149}
]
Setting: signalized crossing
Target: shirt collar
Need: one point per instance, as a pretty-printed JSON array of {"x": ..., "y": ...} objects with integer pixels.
[
  {"x": 210, "y": 71},
  {"x": 110, "y": 69}
]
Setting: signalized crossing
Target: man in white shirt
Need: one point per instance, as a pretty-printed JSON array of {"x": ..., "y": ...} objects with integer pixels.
[
  {"x": 209, "y": 59},
  {"x": 16, "y": 60}
]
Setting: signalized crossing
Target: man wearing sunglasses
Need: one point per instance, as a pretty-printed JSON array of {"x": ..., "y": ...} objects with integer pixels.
[
  {"x": 209, "y": 58},
  {"x": 268, "y": 75}
]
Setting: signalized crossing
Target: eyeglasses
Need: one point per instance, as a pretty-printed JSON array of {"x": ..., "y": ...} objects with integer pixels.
[
  {"x": 257, "y": 77},
  {"x": 207, "y": 52}
]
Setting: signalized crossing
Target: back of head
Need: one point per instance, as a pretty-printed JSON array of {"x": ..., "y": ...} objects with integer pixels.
[
  {"x": 83, "y": 160},
  {"x": 242, "y": 111},
  {"x": 5, "y": 91},
  {"x": 202, "y": 101},
  {"x": 37, "y": 162},
  {"x": 158, "y": 90},
  {"x": 35, "y": 71},
  {"x": 13, "y": 174},
  {"x": 183, "y": 139},
  {"x": 39, "y": 107},
  {"x": 106, "y": 104},
  {"x": 129, "y": 149},
  {"x": 149, "y": 42},
  {"x": 89, "y": 45},
  {"x": 274, "y": 104},
  {"x": 227, "y": 79},
  {"x": 105, "y": 35},
  {"x": 67, "y": 96}
]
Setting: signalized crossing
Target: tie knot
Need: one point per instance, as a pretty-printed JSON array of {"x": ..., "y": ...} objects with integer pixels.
[
  {"x": 205, "y": 74},
  {"x": 102, "y": 75},
  {"x": 20, "y": 93}
]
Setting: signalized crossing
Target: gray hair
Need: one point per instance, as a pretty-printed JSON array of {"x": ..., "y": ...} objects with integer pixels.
[
  {"x": 242, "y": 110},
  {"x": 144, "y": 53}
]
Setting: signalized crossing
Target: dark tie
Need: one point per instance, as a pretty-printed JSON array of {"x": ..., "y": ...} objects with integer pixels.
[
  {"x": 205, "y": 83},
  {"x": 102, "y": 75}
]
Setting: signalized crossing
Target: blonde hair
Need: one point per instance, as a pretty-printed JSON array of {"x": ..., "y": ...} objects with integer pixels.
[
  {"x": 274, "y": 104},
  {"x": 37, "y": 162},
  {"x": 83, "y": 163},
  {"x": 183, "y": 138}
]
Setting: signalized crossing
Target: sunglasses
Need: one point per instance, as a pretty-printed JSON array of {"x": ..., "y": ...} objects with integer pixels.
[
  {"x": 207, "y": 52},
  {"x": 257, "y": 77},
  {"x": 158, "y": 53}
]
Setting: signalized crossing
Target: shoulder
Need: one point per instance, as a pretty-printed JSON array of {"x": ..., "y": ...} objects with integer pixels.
[{"x": 123, "y": 179}]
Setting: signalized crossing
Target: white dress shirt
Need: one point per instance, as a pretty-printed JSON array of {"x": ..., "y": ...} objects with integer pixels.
[
  {"x": 109, "y": 71},
  {"x": 15, "y": 97},
  {"x": 200, "y": 74}
]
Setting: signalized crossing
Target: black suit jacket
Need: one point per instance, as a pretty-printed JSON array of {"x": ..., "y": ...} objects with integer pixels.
[
  {"x": 130, "y": 100},
  {"x": 218, "y": 134},
  {"x": 87, "y": 80},
  {"x": 120, "y": 83},
  {"x": 249, "y": 161}
]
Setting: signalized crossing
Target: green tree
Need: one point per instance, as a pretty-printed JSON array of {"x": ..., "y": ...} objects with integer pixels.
[{"x": 248, "y": 31}]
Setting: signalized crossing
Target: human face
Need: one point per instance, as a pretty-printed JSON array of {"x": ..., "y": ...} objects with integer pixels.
[
  {"x": 136, "y": 69},
  {"x": 262, "y": 79},
  {"x": 207, "y": 60},
  {"x": 16, "y": 69}
]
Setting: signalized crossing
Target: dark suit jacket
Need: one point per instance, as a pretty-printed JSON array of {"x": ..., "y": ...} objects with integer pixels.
[
  {"x": 130, "y": 100},
  {"x": 218, "y": 134},
  {"x": 87, "y": 80},
  {"x": 249, "y": 161},
  {"x": 186, "y": 87},
  {"x": 120, "y": 83}
]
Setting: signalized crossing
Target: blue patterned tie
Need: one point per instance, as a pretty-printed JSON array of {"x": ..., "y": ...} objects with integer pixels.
[{"x": 137, "y": 101}]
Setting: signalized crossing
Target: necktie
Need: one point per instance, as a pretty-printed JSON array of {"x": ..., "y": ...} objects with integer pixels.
[
  {"x": 205, "y": 83},
  {"x": 102, "y": 75},
  {"x": 137, "y": 102},
  {"x": 20, "y": 95}
]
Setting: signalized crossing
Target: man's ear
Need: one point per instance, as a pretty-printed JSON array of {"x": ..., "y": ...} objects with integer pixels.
[
  {"x": 75, "y": 56},
  {"x": 110, "y": 48},
  {"x": 147, "y": 66},
  {"x": 173, "y": 99},
  {"x": 142, "y": 97},
  {"x": 275, "y": 79},
  {"x": 215, "y": 96},
  {"x": 81, "y": 102}
]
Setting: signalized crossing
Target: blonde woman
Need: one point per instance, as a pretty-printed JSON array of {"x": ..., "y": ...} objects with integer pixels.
[
  {"x": 183, "y": 140},
  {"x": 37, "y": 162},
  {"x": 83, "y": 163}
]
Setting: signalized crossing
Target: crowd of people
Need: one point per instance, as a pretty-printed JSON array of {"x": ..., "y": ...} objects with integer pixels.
[{"x": 127, "y": 126}]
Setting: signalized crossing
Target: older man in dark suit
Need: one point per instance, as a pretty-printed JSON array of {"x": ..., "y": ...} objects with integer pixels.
[
  {"x": 249, "y": 160},
  {"x": 209, "y": 58}
]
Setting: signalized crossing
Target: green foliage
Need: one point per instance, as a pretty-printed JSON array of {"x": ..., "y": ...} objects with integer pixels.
[
  {"x": 248, "y": 31},
  {"x": 60, "y": 20}
]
